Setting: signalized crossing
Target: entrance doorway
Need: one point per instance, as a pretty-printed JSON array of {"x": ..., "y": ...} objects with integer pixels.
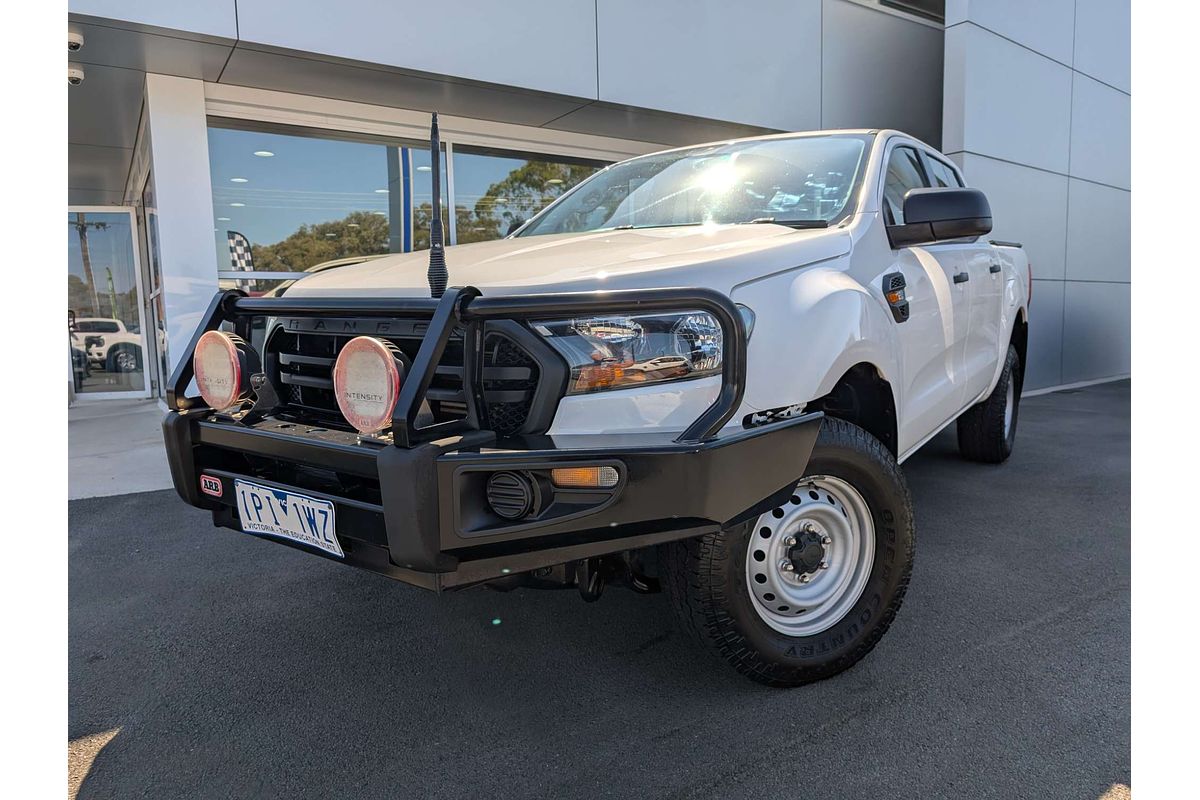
[{"x": 105, "y": 319}]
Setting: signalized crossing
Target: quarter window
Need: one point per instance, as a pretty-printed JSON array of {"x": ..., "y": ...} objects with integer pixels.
[
  {"x": 941, "y": 173},
  {"x": 904, "y": 172}
]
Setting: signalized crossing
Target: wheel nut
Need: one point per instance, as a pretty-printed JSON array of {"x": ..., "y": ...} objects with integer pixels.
[
  {"x": 786, "y": 566},
  {"x": 809, "y": 528},
  {"x": 826, "y": 540},
  {"x": 790, "y": 541},
  {"x": 805, "y": 578},
  {"x": 824, "y": 565}
]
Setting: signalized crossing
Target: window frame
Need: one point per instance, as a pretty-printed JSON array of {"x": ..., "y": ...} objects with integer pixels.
[{"x": 892, "y": 147}]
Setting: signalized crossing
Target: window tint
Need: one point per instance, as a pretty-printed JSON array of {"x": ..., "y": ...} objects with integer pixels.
[
  {"x": 903, "y": 173},
  {"x": 941, "y": 174}
]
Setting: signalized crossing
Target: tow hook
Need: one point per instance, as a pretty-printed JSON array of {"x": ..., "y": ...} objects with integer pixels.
[{"x": 591, "y": 579}]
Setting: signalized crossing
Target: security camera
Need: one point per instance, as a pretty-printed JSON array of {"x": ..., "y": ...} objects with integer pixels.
[
  {"x": 74, "y": 41},
  {"x": 75, "y": 75}
]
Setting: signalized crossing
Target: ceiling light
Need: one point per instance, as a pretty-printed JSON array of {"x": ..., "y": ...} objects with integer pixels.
[
  {"x": 381, "y": 191},
  {"x": 238, "y": 180},
  {"x": 424, "y": 168},
  {"x": 379, "y": 213},
  {"x": 222, "y": 219},
  {"x": 331, "y": 235},
  {"x": 351, "y": 224},
  {"x": 263, "y": 153},
  {"x": 237, "y": 205},
  {"x": 554, "y": 180}
]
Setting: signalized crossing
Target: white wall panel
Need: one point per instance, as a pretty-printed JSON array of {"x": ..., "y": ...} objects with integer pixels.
[
  {"x": 1096, "y": 331},
  {"x": 757, "y": 64},
  {"x": 1006, "y": 101},
  {"x": 1042, "y": 25},
  {"x": 548, "y": 45},
  {"x": 1028, "y": 206},
  {"x": 183, "y": 196},
  {"x": 209, "y": 17},
  {"x": 1098, "y": 241},
  {"x": 1045, "y": 335},
  {"x": 1100, "y": 133},
  {"x": 1102, "y": 40},
  {"x": 880, "y": 71}
]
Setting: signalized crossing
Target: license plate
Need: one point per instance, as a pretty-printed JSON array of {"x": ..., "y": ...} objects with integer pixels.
[{"x": 276, "y": 512}]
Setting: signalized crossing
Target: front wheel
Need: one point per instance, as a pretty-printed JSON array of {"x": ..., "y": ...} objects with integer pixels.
[{"x": 810, "y": 587}]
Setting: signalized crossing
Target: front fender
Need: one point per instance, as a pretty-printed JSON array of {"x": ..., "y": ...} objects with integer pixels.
[{"x": 812, "y": 325}]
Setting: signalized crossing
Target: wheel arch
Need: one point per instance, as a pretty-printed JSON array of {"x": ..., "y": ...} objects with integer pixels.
[{"x": 862, "y": 396}]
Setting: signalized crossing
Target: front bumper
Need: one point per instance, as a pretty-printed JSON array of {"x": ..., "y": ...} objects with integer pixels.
[
  {"x": 418, "y": 514},
  {"x": 414, "y": 506}
]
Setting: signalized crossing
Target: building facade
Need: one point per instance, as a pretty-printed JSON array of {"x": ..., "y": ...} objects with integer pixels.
[{"x": 214, "y": 143}]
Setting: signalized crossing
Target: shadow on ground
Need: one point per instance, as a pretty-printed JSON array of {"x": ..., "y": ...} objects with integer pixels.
[{"x": 233, "y": 667}]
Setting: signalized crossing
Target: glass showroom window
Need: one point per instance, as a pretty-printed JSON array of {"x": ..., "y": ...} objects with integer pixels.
[
  {"x": 103, "y": 304},
  {"x": 288, "y": 203},
  {"x": 495, "y": 190}
]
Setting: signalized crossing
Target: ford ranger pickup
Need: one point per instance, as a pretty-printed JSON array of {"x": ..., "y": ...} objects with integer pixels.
[{"x": 696, "y": 372}]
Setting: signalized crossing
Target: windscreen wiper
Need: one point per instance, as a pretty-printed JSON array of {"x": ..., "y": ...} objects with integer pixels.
[{"x": 791, "y": 223}]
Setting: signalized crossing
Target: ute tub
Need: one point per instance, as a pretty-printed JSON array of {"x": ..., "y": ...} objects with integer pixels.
[{"x": 415, "y": 506}]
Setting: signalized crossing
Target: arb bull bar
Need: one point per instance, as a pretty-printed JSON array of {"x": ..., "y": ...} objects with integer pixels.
[{"x": 414, "y": 507}]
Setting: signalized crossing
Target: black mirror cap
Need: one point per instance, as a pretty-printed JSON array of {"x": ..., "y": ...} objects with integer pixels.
[{"x": 932, "y": 215}]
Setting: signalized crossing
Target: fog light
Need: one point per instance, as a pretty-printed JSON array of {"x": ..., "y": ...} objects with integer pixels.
[
  {"x": 510, "y": 494},
  {"x": 584, "y": 477}
]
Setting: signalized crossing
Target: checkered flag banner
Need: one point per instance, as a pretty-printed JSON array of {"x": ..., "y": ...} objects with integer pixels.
[{"x": 240, "y": 257}]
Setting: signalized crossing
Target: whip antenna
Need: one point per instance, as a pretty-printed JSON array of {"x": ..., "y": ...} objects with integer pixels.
[{"x": 438, "y": 275}]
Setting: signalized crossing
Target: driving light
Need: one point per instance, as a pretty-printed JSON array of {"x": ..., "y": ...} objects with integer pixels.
[
  {"x": 366, "y": 382},
  {"x": 618, "y": 352},
  {"x": 223, "y": 364}
]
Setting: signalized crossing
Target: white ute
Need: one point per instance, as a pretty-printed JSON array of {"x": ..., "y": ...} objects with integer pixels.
[{"x": 859, "y": 267}]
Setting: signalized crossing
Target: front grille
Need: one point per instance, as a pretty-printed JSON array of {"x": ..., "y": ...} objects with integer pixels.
[{"x": 300, "y": 360}]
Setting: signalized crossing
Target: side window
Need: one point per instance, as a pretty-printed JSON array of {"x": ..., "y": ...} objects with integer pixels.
[
  {"x": 941, "y": 173},
  {"x": 903, "y": 173}
]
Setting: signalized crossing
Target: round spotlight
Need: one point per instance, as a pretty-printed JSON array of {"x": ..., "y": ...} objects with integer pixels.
[
  {"x": 366, "y": 382},
  {"x": 223, "y": 364}
]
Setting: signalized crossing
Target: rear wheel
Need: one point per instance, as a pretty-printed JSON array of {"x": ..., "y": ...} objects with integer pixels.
[
  {"x": 808, "y": 588},
  {"x": 987, "y": 430}
]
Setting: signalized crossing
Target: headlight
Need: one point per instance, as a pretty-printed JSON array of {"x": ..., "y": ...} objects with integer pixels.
[{"x": 618, "y": 352}]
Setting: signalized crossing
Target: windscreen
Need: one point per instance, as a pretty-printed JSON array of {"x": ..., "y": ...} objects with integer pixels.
[{"x": 799, "y": 180}]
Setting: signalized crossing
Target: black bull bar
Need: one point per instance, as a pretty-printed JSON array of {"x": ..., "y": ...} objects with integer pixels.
[{"x": 425, "y": 520}]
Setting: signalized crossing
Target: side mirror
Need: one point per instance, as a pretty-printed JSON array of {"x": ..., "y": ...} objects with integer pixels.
[{"x": 934, "y": 215}]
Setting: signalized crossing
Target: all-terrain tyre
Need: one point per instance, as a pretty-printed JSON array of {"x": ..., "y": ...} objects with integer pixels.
[
  {"x": 987, "y": 430},
  {"x": 757, "y": 594}
]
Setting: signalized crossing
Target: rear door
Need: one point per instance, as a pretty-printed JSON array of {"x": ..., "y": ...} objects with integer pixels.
[
  {"x": 984, "y": 287},
  {"x": 933, "y": 338}
]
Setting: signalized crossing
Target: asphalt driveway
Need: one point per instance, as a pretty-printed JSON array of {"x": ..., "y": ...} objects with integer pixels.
[{"x": 206, "y": 663}]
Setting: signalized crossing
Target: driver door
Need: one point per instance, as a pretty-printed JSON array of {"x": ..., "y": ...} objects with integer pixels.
[{"x": 933, "y": 339}]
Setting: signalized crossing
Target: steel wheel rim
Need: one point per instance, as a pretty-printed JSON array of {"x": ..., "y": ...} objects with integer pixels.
[
  {"x": 836, "y": 511},
  {"x": 1008, "y": 409},
  {"x": 126, "y": 362}
]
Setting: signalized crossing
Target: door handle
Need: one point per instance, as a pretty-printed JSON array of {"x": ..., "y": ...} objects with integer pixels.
[
  {"x": 994, "y": 268},
  {"x": 962, "y": 277}
]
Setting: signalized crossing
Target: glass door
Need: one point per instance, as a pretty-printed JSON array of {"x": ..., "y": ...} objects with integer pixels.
[
  {"x": 104, "y": 303},
  {"x": 153, "y": 309}
]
